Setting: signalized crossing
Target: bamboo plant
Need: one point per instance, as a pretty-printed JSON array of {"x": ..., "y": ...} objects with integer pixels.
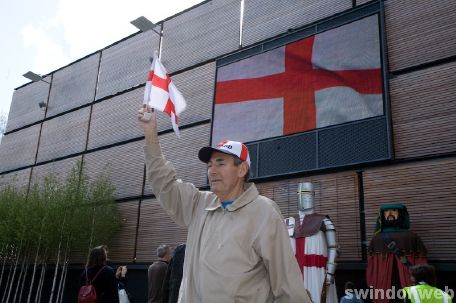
[{"x": 49, "y": 223}]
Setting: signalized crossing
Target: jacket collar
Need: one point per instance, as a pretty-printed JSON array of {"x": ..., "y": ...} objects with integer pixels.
[{"x": 250, "y": 193}]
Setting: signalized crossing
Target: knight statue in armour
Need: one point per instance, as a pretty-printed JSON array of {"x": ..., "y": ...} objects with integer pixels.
[{"x": 313, "y": 238}]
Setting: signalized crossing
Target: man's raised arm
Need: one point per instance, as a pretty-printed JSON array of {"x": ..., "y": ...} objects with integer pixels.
[
  {"x": 178, "y": 199},
  {"x": 148, "y": 122}
]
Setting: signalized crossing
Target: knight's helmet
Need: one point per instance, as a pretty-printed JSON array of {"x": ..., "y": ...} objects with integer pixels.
[{"x": 305, "y": 196}]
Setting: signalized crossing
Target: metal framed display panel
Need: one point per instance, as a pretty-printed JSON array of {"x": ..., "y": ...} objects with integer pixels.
[{"x": 316, "y": 98}]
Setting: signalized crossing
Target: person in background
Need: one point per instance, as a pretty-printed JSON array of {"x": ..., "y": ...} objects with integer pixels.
[
  {"x": 108, "y": 261},
  {"x": 237, "y": 244},
  {"x": 156, "y": 274},
  {"x": 424, "y": 290},
  {"x": 173, "y": 278},
  {"x": 121, "y": 276},
  {"x": 101, "y": 276},
  {"x": 350, "y": 294}
]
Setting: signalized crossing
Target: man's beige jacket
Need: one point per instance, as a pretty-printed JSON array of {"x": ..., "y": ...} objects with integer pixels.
[{"x": 238, "y": 254}]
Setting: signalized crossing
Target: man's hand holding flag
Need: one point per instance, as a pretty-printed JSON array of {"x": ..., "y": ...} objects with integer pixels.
[{"x": 162, "y": 94}]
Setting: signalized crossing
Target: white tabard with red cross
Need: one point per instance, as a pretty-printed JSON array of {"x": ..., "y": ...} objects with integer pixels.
[{"x": 312, "y": 255}]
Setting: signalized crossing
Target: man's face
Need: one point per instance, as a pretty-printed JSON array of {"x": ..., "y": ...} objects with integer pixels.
[
  {"x": 225, "y": 178},
  {"x": 391, "y": 214}
]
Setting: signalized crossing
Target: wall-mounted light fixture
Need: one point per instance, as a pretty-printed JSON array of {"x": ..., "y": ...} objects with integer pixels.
[
  {"x": 42, "y": 105},
  {"x": 34, "y": 77},
  {"x": 144, "y": 24}
]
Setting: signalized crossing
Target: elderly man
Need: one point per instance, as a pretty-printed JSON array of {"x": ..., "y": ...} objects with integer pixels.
[
  {"x": 237, "y": 245},
  {"x": 156, "y": 274}
]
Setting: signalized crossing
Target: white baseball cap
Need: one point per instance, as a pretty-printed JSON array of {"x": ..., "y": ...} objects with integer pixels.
[{"x": 234, "y": 148}]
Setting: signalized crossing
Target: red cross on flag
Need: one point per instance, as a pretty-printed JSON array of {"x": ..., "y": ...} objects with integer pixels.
[
  {"x": 326, "y": 79},
  {"x": 162, "y": 94}
]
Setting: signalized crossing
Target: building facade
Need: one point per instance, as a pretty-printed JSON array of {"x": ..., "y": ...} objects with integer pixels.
[{"x": 406, "y": 153}]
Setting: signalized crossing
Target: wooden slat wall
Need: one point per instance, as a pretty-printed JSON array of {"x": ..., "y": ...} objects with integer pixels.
[
  {"x": 80, "y": 256},
  {"x": 336, "y": 195},
  {"x": 122, "y": 249},
  {"x": 183, "y": 154},
  {"x": 18, "y": 149},
  {"x": 424, "y": 112},
  {"x": 126, "y": 64},
  {"x": 114, "y": 119},
  {"x": 428, "y": 189},
  {"x": 17, "y": 179},
  {"x": 267, "y": 18},
  {"x": 73, "y": 85},
  {"x": 339, "y": 199},
  {"x": 156, "y": 228},
  {"x": 200, "y": 34},
  {"x": 419, "y": 31},
  {"x": 124, "y": 164},
  {"x": 197, "y": 87},
  {"x": 64, "y": 135},
  {"x": 24, "y": 108},
  {"x": 60, "y": 170}
]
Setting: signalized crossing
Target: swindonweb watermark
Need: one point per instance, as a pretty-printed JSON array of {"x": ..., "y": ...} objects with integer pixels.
[{"x": 393, "y": 293}]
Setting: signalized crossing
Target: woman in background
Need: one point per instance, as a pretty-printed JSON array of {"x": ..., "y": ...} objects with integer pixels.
[{"x": 101, "y": 276}]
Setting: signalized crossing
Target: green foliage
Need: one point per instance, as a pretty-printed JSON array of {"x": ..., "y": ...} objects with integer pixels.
[
  {"x": 57, "y": 215},
  {"x": 11, "y": 201}
]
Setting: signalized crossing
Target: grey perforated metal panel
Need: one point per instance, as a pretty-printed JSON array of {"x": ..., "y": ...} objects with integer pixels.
[
  {"x": 183, "y": 154},
  {"x": 353, "y": 143},
  {"x": 126, "y": 64},
  {"x": 17, "y": 179},
  {"x": 359, "y": 142},
  {"x": 60, "y": 170},
  {"x": 18, "y": 149},
  {"x": 200, "y": 34},
  {"x": 122, "y": 248},
  {"x": 359, "y": 2},
  {"x": 428, "y": 189},
  {"x": 253, "y": 152},
  {"x": 424, "y": 112},
  {"x": 64, "y": 135},
  {"x": 336, "y": 195},
  {"x": 287, "y": 155},
  {"x": 123, "y": 164},
  {"x": 156, "y": 228},
  {"x": 114, "y": 119},
  {"x": 73, "y": 85},
  {"x": 419, "y": 31},
  {"x": 24, "y": 108},
  {"x": 267, "y": 18}
]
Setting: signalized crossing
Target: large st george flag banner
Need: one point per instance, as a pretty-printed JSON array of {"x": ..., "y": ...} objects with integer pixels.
[{"x": 326, "y": 79}]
